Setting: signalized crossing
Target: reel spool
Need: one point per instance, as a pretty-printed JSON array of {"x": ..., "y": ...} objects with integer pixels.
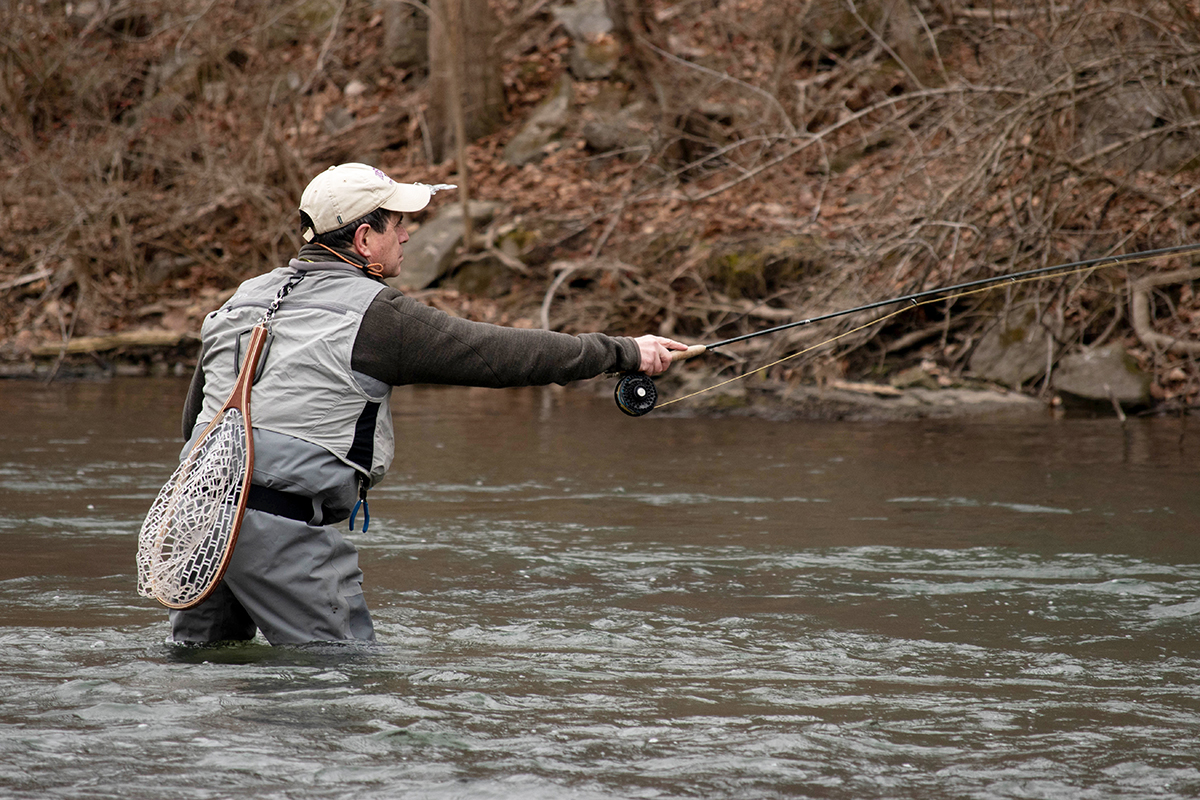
[{"x": 636, "y": 394}]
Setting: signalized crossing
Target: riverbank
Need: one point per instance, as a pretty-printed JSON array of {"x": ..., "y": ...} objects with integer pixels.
[
  {"x": 687, "y": 392},
  {"x": 733, "y": 171}
]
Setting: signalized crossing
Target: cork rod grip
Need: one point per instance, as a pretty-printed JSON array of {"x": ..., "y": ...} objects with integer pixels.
[{"x": 683, "y": 355}]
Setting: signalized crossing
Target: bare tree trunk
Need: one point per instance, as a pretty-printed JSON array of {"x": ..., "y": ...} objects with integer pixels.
[
  {"x": 457, "y": 111},
  {"x": 478, "y": 65}
]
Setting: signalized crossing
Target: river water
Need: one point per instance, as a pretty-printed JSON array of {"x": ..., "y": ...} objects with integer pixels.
[{"x": 571, "y": 603}]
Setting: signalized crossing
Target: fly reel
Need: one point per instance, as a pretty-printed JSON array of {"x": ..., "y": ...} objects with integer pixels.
[{"x": 636, "y": 394}]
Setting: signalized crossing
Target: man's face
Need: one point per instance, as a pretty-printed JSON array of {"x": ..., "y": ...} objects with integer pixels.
[{"x": 387, "y": 248}]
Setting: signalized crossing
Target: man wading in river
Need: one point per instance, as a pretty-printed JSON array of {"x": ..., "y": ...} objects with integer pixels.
[{"x": 322, "y": 426}]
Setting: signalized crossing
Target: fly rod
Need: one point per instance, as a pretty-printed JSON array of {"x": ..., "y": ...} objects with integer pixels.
[{"x": 636, "y": 394}]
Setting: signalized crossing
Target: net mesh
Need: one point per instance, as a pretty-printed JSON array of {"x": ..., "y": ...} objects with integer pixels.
[{"x": 183, "y": 542}]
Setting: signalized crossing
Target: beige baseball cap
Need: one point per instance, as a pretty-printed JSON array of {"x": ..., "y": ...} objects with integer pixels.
[{"x": 346, "y": 192}]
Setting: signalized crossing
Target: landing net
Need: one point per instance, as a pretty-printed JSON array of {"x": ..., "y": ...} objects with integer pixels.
[{"x": 184, "y": 543}]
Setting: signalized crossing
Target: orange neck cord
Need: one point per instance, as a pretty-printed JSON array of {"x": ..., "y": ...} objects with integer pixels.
[{"x": 374, "y": 270}]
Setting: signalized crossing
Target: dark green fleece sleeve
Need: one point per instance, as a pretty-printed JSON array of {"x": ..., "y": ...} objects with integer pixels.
[
  {"x": 402, "y": 341},
  {"x": 195, "y": 400}
]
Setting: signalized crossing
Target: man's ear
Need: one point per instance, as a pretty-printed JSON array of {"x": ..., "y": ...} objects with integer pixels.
[{"x": 360, "y": 241}]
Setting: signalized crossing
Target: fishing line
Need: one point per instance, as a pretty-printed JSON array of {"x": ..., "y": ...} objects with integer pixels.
[
  {"x": 875, "y": 321},
  {"x": 636, "y": 394}
]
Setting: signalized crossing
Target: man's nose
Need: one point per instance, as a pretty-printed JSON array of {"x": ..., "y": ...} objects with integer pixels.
[{"x": 402, "y": 234}]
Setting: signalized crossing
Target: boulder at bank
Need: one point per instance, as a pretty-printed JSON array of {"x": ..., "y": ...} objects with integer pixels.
[
  {"x": 1016, "y": 349},
  {"x": 594, "y": 52},
  {"x": 627, "y": 129},
  {"x": 429, "y": 253},
  {"x": 1104, "y": 374},
  {"x": 544, "y": 124}
]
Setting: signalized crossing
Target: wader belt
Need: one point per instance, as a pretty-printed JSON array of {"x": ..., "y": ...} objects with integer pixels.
[{"x": 281, "y": 504}]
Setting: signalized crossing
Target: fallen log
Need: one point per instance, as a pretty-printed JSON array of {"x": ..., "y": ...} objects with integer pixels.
[
  {"x": 100, "y": 344},
  {"x": 878, "y": 389}
]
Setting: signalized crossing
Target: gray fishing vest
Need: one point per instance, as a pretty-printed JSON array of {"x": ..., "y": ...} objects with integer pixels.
[{"x": 305, "y": 387}]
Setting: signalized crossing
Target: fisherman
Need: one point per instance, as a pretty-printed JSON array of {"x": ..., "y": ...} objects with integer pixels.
[{"x": 341, "y": 339}]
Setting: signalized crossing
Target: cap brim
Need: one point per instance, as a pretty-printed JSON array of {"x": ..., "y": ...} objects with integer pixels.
[{"x": 407, "y": 198}]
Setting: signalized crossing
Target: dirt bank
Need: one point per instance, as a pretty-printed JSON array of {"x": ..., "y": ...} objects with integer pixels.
[{"x": 706, "y": 170}]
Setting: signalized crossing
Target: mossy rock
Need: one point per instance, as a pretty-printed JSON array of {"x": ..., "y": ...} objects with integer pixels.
[
  {"x": 756, "y": 269},
  {"x": 516, "y": 240}
]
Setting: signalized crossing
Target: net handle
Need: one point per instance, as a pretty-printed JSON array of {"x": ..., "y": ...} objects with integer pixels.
[{"x": 238, "y": 399}]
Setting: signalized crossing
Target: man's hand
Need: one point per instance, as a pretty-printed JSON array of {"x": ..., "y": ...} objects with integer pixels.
[{"x": 656, "y": 352}]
